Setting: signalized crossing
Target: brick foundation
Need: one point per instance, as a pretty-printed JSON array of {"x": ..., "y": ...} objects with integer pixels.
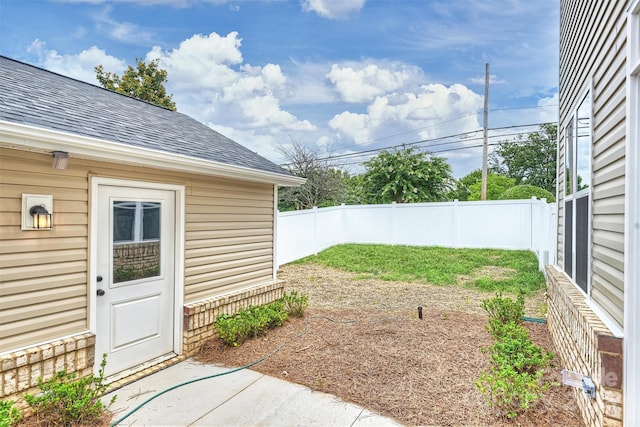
[
  {"x": 200, "y": 316},
  {"x": 584, "y": 344},
  {"x": 19, "y": 371}
]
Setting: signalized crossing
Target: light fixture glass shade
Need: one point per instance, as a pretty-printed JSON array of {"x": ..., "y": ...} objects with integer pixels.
[
  {"x": 42, "y": 219},
  {"x": 60, "y": 159}
]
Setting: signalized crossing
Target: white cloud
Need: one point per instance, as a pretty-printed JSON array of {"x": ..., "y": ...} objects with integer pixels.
[
  {"x": 451, "y": 109},
  {"x": 211, "y": 83},
  {"x": 548, "y": 109},
  {"x": 493, "y": 79},
  {"x": 79, "y": 66},
  {"x": 122, "y": 31},
  {"x": 201, "y": 61},
  {"x": 363, "y": 82},
  {"x": 332, "y": 9}
]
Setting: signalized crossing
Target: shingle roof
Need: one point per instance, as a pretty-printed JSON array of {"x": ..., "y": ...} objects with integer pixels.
[{"x": 40, "y": 98}]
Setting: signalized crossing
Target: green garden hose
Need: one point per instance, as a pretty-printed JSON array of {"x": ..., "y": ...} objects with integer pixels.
[{"x": 262, "y": 359}]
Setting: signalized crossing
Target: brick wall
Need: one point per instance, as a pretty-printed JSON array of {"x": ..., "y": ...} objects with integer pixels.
[
  {"x": 584, "y": 344},
  {"x": 19, "y": 371},
  {"x": 200, "y": 316},
  {"x": 140, "y": 259}
]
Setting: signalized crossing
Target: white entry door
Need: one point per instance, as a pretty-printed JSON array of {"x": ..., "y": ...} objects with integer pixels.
[{"x": 135, "y": 289}]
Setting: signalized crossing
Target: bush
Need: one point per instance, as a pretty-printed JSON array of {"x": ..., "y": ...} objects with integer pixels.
[
  {"x": 515, "y": 379},
  {"x": 295, "y": 304},
  {"x": 234, "y": 329},
  {"x": 9, "y": 414},
  {"x": 250, "y": 323},
  {"x": 526, "y": 191},
  {"x": 502, "y": 311},
  {"x": 68, "y": 401}
]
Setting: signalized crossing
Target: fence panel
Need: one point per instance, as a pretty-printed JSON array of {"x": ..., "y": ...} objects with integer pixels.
[{"x": 510, "y": 224}]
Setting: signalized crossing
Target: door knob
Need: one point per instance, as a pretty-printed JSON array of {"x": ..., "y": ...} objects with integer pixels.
[{"x": 100, "y": 292}]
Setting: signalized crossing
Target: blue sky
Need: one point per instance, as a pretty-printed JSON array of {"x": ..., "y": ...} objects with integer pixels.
[{"x": 339, "y": 76}]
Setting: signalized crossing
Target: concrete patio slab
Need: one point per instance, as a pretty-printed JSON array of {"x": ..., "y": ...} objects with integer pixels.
[{"x": 195, "y": 394}]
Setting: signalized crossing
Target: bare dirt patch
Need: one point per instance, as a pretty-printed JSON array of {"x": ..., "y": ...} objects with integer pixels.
[{"x": 362, "y": 341}]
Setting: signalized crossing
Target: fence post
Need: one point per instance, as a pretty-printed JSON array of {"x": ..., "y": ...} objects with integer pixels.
[
  {"x": 394, "y": 225},
  {"x": 315, "y": 230},
  {"x": 455, "y": 221}
]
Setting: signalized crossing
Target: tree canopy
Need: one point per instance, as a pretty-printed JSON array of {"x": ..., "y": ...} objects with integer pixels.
[
  {"x": 526, "y": 192},
  {"x": 325, "y": 185},
  {"x": 496, "y": 185},
  {"x": 406, "y": 176},
  {"x": 145, "y": 82},
  {"x": 529, "y": 161}
]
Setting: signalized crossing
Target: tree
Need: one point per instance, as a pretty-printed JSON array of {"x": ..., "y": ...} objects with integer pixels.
[
  {"x": 325, "y": 184},
  {"x": 496, "y": 185},
  {"x": 526, "y": 192},
  {"x": 145, "y": 82},
  {"x": 463, "y": 185},
  {"x": 406, "y": 176},
  {"x": 531, "y": 161}
]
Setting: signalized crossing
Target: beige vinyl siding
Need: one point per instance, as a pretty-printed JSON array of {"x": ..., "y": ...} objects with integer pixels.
[
  {"x": 229, "y": 237},
  {"x": 593, "y": 51},
  {"x": 44, "y": 274}
]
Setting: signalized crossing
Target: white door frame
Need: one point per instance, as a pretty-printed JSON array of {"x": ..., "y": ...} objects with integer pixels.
[{"x": 178, "y": 297}]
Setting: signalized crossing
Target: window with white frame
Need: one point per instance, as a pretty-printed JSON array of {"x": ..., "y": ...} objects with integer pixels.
[
  {"x": 135, "y": 221},
  {"x": 577, "y": 193}
]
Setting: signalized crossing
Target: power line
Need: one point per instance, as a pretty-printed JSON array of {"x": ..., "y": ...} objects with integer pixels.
[
  {"x": 426, "y": 141},
  {"x": 449, "y": 121}
]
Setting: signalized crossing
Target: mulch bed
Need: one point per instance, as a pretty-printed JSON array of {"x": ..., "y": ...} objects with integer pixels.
[{"x": 375, "y": 352}]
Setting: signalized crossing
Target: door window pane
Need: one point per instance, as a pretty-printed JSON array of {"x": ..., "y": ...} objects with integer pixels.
[{"x": 136, "y": 240}]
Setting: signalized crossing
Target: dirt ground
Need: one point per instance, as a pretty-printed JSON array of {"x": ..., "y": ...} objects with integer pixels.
[{"x": 362, "y": 341}]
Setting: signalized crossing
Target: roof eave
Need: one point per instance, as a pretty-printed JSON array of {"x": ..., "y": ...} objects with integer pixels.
[{"x": 26, "y": 137}]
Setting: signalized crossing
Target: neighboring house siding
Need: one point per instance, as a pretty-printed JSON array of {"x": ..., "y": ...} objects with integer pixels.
[
  {"x": 592, "y": 57},
  {"x": 43, "y": 274}
]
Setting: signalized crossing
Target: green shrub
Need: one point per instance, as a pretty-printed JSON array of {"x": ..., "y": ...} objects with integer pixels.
[
  {"x": 514, "y": 348},
  {"x": 234, "y": 329},
  {"x": 502, "y": 311},
  {"x": 9, "y": 414},
  {"x": 515, "y": 379},
  {"x": 526, "y": 191},
  {"x": 65, "y": 400},
  {"x": 510, "y": 391},
  {"x": 295, "y": 304}
]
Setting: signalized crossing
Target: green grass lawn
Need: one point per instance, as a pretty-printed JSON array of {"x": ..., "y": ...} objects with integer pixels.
[{"x": 486, "y": 269}]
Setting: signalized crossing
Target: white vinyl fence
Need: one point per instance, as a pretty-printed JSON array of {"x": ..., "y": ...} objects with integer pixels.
[{"x": 501, "y": 224}]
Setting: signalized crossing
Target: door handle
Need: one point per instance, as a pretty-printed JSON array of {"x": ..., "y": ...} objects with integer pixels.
[{"x": 100, "y": 292}]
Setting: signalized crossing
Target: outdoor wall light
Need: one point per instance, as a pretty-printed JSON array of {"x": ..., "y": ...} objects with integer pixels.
[
  {"x": 37, "y": 212},
  {"x": 60, "y": 160},
  {"x": 41, "y": 217}
]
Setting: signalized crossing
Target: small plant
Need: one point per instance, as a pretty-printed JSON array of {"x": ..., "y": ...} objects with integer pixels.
[
  {"x": 250, "y": 323},
  {"x": 66, "y": 400},
  {"x": 234, "y": 329},
  {"x": 502, "y": 311},
  {"x": 515, "y": 379},
  {"x": 9, "y": 414},
  {"x": 295, "y": 304}
]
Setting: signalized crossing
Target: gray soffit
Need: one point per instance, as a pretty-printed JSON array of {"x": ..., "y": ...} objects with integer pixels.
[{"x": 35, "y": 97}]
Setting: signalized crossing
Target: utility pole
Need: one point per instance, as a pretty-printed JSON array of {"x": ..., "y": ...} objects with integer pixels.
[{"x": 485, "y": 128}]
